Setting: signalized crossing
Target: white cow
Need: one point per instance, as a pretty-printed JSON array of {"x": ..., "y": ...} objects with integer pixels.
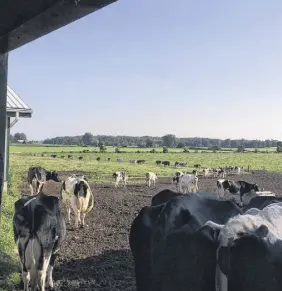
[
  {"x": 120, "y": 176},
  {"x": 188, "y": 183},
  {"x": 206, "y": 172},
  {"x": 76, "y": 195},
  {"x": 151, "y": 177}
]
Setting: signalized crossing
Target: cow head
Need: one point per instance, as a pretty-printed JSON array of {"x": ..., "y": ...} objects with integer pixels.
[
  {"x": 255, "y": 187},
  {"x": 54, "y": 176},
  {"x": 80, "y": 188}
]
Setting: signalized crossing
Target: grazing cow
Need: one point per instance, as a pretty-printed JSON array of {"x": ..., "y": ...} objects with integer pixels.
[
  {"x": 132, "y": 161},
  {"x": 180, "y": 164},
  {"x": 197, "y": 166},
  {"x": 39, "y": 230},
  {"x": 139, "y": 162},
  {"x": 70, "y": 156},
  {"x": 120, "y": 176},
  {"x": 41, "y": 176},
  {"x": 158, "y": 163},
  {"x": 166, "y": 163},
  {"x": 119, "y": 160},
  {"x": 249, "y": 255},
  {"x": 151, "y": 177},
  {"x": 188, "y": 183},
  {"x": 76, "y": 195},
  {"x": 62, "y": 157},
  {"x": 80, "y": 158},
  {"x": 53, "y": 156},
  {"x": 98, "y": 159}
]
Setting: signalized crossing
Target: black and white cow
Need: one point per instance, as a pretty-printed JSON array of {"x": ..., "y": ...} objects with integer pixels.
[
  {"x": 120, "y": 176},
  {"x": 233, "y": 187},
  {"x": 40, "y": 175},
  {"x": 39, "y": 230},
  {"x": 249, "y": 253}
]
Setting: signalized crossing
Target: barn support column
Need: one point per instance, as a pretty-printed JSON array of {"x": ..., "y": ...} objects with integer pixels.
[
  {"x": 7, "y": 154},
  {"x": 3, "y": 114}
]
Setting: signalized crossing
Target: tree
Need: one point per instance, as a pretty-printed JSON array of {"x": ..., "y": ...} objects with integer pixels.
[
  {"x": 149, "y": 143},
  {"x": 19, "y": 136},
  {"x": 88, "y": 138},
  {"x": 181, "y": 145},
  {"x": 185, "y": 150},
  {"x": 279, "y": 147},
  {"x": 169, "y": 140},
  {"x": 103, "y": 148},
  {"x": 165, "y": 150},
  {"x": 240, "y": 149}
]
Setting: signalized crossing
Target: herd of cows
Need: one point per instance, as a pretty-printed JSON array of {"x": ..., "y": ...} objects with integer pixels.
[{"x": 185, "y": 240}]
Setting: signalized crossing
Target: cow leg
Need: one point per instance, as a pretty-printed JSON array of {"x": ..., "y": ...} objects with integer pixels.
[
  {"x": 31, "y": 189},
  {"x": 42, "y": 273},
  {"x": 69, "y": 213},
  {"x": 50, "y": 282},
  {"x": 83, "y": 219},
  {"x": 77, "y": 219}
]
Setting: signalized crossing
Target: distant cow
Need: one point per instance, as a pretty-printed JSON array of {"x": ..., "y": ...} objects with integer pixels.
[
  {"x": 188, "y": 183},
  {"x": 197, "y": 166},
  {"x": 158, "y": 163},
  {"x": 119, "y": 160},
  {"x": 70, "y": 156},
  {"x": 98, "y": 159},
  {"x": 41, "y": 176},
  {"x": 206, "y": 172},
  {"x": 233, "y": 187},
  {"x": 166, "y": 163},
  {"x": 80, "y": 158},
  {"x": 120, "y": 176},
  {"x": 109, "y": 159},
  {"x": 62, "y": 157},
  {"x": 76, "y": 195},
  {"x": 39, "y": 230},
  {"x": 53, "y": 156},
  {"x": 151, "y": 177},
  {"x": 180, "y": 164},
  {"x": 177, "y": 177},
  {"x": 132, "y": 161},
  {"x": 141, "y": 162}
]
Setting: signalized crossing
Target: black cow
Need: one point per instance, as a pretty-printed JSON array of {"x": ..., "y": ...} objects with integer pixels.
[
  {"x": 70, "y": 156},
  {"x": 163, "y": 197},
  {"x": 41, "y": 176},
  {"x": 166, "y": 163},
  {"x": 153, "y": 224},
  {"x": 80, "y": 158},
  {"x": 158, "y": 163},
  {"x": 141, "y": 162},
  {"x": 197, "y": 166},
  {"x": 39, "y": 230}
]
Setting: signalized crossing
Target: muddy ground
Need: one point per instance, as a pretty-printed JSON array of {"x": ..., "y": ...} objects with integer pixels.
[{"x": 98, "y": 257}]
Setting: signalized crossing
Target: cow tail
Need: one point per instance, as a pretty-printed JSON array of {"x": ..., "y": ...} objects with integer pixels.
[{"x": 91, "y": 202}]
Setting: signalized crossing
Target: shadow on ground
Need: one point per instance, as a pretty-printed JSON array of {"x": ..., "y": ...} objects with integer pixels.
[{"x": 112, "y": 270}]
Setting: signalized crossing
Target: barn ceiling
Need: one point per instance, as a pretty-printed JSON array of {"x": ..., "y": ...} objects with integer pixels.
[{"x": 23, "y": 21}]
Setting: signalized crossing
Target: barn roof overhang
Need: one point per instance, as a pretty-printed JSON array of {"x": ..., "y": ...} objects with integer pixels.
[
  {"x": 23, "y": 21},
  {"x": 16, "y": 107}
]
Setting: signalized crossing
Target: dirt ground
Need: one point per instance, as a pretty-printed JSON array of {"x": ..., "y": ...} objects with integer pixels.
[{"x": 98, "y": 257}]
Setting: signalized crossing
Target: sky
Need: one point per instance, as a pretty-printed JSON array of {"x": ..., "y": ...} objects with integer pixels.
[{"x": 141, "y": 67}]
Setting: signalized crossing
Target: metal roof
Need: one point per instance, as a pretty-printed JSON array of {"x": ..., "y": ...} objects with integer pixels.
[{"x": 16, "y": 105}]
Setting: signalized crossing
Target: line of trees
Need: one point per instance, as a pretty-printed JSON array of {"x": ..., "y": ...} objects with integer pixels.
[
  {"x": 18, "y": 137},
  {"x": 168, "y": 140}
]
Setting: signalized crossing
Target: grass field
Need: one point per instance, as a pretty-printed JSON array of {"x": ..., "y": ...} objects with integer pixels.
[{"x": 22, "y": 157}]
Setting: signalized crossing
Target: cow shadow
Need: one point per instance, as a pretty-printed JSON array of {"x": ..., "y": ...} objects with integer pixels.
[{"x": 108, "y": 271}]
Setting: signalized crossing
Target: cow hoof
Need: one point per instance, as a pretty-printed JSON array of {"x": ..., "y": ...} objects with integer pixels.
[{"x": 82, "y": 226}]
